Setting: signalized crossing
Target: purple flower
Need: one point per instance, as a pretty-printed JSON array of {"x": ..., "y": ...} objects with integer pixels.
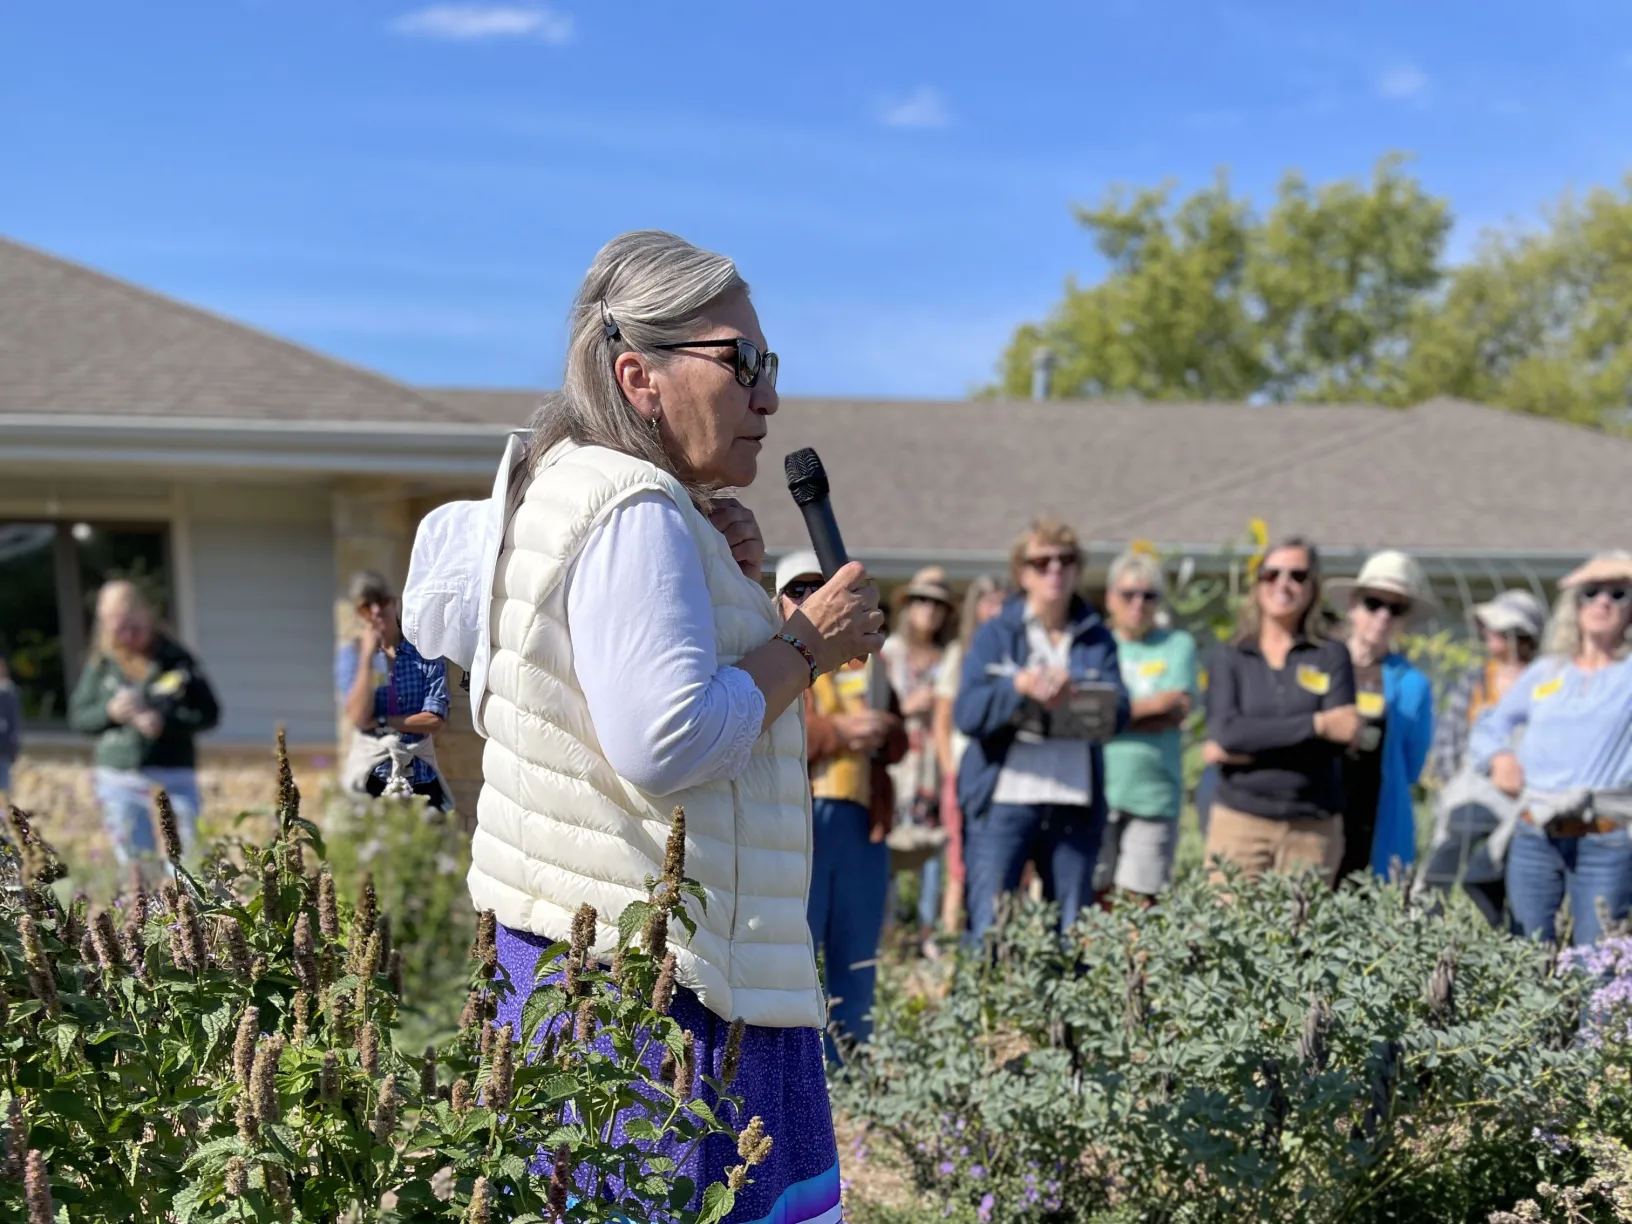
[
  {"x": 1555, "y": 1142},
  {"x": 946, "y": 1168},
  {"x": 978, "y": 1172},
  {"x": 986, "y": 1205}
]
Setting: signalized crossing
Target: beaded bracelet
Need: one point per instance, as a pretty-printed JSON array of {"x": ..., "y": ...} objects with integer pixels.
[{"x": 803, "y": 650}]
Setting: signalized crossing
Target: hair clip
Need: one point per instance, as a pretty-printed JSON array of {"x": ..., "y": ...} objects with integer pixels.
[{"x": 609, "y": 325}]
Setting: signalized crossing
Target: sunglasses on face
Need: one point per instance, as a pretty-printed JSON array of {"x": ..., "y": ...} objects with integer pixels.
[
  {"x": 1269, "y": 577},
  {"x": 1375, "y": 604},
  {"x": 1052, "y": 561},
  {"x": 801, "y": 588},
  {"x": 1615, "y": 594},
  {"x": 749, "y": 363},
  {"x": 1138, "y": 596}
]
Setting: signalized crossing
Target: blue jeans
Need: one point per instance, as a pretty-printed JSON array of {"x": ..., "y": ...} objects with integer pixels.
[
  {"x": 1062, "y": 841},
  {"x": 1205, "y": 786},
  {"x": 929, "y": 895},
  {"x": 1541, "y": 869},
  {"x": 128, "y": 814},
  {"x": 849, "y": 878}
]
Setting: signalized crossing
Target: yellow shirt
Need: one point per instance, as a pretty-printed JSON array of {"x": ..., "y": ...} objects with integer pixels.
[{"x": 846, "y": 775}]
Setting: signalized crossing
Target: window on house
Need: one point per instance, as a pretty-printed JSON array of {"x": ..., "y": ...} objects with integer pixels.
[{"x": 49, "y": 576}]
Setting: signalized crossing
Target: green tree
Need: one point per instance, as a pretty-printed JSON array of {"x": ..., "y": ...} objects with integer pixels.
[
  {"x": 1340, "y": 279},
  {"x": 1539, "y": 321},
  {"x": 1208, "y": 300}
]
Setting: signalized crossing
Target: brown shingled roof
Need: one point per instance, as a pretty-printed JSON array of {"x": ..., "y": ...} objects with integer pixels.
[
  {"x": 965, "y": 475},
  {"x": 74, "y": 342}
]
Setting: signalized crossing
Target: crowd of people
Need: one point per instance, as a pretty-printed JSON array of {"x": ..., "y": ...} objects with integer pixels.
[{"x": 1318, "y": 736}]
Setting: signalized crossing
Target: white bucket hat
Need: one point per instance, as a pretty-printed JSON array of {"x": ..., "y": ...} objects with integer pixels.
[
  {"x": 1515, "y": 612},
  {"x": 796, "y": 565},
  {"x": 1390, "y": 572}
]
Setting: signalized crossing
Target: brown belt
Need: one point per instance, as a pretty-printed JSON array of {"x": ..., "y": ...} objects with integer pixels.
[{"x": 1574, "y": 826}]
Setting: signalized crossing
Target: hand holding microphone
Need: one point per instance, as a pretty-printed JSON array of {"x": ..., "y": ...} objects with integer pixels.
[{"x": 843, "y": 616}]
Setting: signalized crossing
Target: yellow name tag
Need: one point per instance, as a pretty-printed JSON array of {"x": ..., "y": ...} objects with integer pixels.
[
  {"x": 1370, "y": 705},
  {"x": 169, "y": 684},
  {"x": 1152, "y": 668},
  {"x": 1546, "y": 688},
  {"x": 1314, "y": 681}
]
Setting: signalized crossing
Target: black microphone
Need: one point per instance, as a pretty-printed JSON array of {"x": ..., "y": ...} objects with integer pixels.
[{"x": 807, "y": 481}]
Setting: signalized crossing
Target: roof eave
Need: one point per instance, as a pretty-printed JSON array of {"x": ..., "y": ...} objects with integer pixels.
[{"x": 366, "y": 448}]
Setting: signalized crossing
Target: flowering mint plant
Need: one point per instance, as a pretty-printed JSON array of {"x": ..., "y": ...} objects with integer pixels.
[
  {"x": 1607, "y": 965},
  {"x": 1270, "y": 1050},
  {"x": 221, "y": 1048}
]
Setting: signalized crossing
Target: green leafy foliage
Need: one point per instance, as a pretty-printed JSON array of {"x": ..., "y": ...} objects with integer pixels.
[
  {"x": 1266, "y": 1051},
  {"x": 1340, "y": 293},
  {"x": 1207, "y": 299},
  {"x": 417, "y": 860},
  {"x": 222, "y": 1048}
]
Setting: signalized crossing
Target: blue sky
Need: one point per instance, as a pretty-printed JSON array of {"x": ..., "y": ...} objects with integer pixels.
[{"x": 417, "y": 188}]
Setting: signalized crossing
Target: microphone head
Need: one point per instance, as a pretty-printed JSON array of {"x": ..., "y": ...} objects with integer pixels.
[{"x": 807, "y": 478}]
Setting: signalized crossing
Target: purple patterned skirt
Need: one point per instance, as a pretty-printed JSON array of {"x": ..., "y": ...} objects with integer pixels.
[{"x": 781, "y": 1078}]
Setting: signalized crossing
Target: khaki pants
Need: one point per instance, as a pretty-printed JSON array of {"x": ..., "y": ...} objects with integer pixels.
[{"x": 1256, "y": 845}]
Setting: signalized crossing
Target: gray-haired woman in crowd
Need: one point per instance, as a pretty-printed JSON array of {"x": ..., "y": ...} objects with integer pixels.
[{"x": 1144, "y": 766}]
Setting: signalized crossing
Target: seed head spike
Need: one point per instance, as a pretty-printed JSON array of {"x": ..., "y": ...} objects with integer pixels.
[
  {"x": 243, "y": 1045},
  {"x": 37, "y": 1190},
  {"x": 385, "y": 1111},
  {"x": 169, "y": 833},
  {"x": 328, "y": 906}
]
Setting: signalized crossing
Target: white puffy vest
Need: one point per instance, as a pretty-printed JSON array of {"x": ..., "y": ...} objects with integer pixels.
[{"x": 557, "y": 826}]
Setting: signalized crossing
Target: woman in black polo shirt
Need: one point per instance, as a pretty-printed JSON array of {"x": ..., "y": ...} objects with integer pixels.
[{"x": 1280, "y": 710}]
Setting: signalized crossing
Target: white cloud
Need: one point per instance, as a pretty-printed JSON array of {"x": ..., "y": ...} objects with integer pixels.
[
  {"x": 923, "y": 108},
  {"x": 475, "y": 22},
  {"x": 1400, "y": 81}
]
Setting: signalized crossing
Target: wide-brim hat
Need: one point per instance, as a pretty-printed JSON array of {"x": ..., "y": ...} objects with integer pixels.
[
  {"x": 1512, "y": 612},
  {"x": 928, "y": 583},
  {"x": 796, "y": 565},
  {"x": 1390, "y": 572},
  {"x": 1604, "y": 567}
]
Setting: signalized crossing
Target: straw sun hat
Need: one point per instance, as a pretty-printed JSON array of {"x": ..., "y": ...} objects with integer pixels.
[
  {"x": 1389, "y": 572},
  {"x": 1605, "y": 568}
]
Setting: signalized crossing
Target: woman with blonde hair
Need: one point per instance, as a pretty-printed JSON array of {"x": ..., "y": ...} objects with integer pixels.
[
  {"x": 626, "y": 662},
  {"x": 1032, "y": 782},
  {"x": 144, "y": 698},
  {"x": 981, "y": 602},
  {"x": 1572, "y": 769},
  {"x": 1280, "y": 712}
]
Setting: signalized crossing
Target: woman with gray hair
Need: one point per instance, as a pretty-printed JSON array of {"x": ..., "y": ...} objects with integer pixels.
[
  {"x": 1144, "y": 766},
  {"x": 1572, "y": 770},
  {"x": 637, "y": 667}
]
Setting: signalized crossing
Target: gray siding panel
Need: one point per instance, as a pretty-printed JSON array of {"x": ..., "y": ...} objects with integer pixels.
[{"x": 263, "y": 578}]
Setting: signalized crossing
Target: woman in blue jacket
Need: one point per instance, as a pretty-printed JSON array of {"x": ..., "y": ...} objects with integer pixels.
[
  {"x": 1024, "y": 794},
  {"x": 1396, "y": 706}
]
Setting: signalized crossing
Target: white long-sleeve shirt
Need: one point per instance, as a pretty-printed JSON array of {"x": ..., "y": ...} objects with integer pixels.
[{"x": 643, "y": 640}]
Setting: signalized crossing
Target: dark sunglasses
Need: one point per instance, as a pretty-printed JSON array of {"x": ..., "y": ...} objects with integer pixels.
[
  {"x": 1373, "y": 603},
  {"x": 1617, "y": 594},
  {"x": 1139, "y": 596},
  {"x": 802, "y": 588},
  {"x": 1297, "y": 577},
  {"x": 750, "y": 364},
  {"x": 1062, "y": 561}
]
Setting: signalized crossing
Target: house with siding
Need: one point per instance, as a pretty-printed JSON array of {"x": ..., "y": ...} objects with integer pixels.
[{"x": 243, "y": 478}]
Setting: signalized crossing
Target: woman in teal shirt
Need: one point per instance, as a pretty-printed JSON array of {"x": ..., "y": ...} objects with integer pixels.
[{"x": 1144, "y": 766}]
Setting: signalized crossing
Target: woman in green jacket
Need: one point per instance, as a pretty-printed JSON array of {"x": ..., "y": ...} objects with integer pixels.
[{"x": 142, "y": 695}]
